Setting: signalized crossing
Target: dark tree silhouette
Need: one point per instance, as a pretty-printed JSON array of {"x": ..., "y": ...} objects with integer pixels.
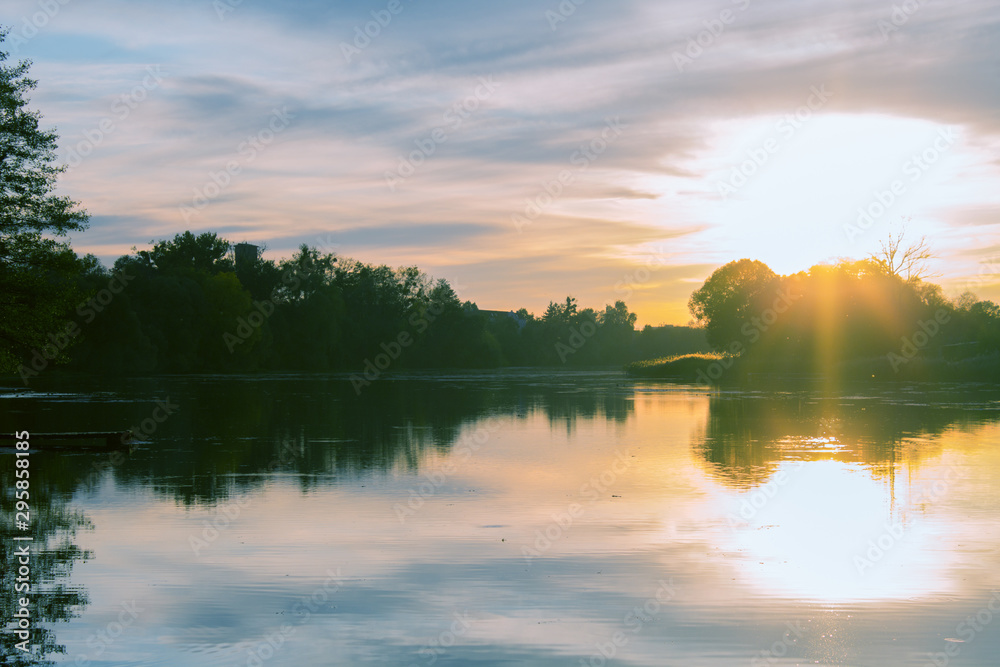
[
  {"x": 37, "y": 272},
  {"x": 205, "y": 252},
  {"x": 731, "y": 297}
]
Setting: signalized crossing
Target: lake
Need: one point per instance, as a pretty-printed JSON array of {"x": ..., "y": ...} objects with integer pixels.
[{"x": 511, "y": 518}]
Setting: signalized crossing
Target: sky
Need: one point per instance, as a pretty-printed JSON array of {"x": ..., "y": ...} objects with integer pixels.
[{"x": 532, "y": 149}]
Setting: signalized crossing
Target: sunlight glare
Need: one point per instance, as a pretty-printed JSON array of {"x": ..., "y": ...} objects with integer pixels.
[
  {"x": 815, "y": 540},
  {"x": 791, "y": 210}
]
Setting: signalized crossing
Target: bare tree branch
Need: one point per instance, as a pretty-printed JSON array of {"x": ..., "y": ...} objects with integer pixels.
[{"x": 908, "y": 262}]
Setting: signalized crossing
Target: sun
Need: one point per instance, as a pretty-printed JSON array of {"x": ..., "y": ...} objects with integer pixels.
[{"x": 794, "y": 193}]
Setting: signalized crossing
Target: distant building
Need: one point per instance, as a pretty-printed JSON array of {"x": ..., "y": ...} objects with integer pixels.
[{"x": 245, "y": 254}]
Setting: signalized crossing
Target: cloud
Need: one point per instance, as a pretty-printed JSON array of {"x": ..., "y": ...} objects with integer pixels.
[
  {"x": 559, "y": 83},
  {"x": 390, "y": 236}
]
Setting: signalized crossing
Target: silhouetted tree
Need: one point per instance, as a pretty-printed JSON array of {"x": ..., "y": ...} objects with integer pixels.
[
  {"x": 731, "y": 296},
  {"x": 37, "y": 273},
  {"x": 188, "y": 308},
  {"x": 205, "y": 252},
  {"x": 908, "y": 262}
]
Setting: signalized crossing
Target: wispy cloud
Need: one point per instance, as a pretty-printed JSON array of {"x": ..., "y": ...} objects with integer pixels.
[{"x": 558, "y": 85}]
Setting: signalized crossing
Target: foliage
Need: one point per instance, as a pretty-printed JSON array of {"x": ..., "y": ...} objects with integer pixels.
[
  {"x": 901, "y": 261},
  {"x": 732, "y": 296},
  {"x": 185, "y": 305},
  {"x": 37, "y": 272},
  {"x": 873, "y": 318},
  {"x": 205, "y": 252}
]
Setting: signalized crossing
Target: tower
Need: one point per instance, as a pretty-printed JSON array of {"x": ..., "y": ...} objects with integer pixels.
[{"x": 245, "y": 254}]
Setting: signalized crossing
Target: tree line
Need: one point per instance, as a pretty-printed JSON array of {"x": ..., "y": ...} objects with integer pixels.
[
  {"x": 875, "y": 317},
  {"x": 189, "y": 304}
]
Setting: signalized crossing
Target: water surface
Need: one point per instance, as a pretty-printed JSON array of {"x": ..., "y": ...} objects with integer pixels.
[{"x": 520, "y": 518}]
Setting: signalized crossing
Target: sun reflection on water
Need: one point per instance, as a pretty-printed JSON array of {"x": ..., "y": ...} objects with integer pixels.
[{"x": 833, "y": 530}]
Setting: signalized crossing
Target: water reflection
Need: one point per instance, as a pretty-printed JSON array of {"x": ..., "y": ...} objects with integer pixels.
[
  {"x": 846, "y": 497},
  {"x": 228, "y": 436},
  {"x": 530, "y": 515},
  {"x": 53, "y": 552},
  {"x": 746, "y": 435}
]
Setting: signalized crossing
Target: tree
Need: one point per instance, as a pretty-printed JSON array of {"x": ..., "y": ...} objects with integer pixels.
[
  {"x": 900, "y": 261},
  {"x": 37, "y": 286},
  {"x": 731, "y": 296},
  {"x": 206, "y": 252},
  {"x": 563, "y": 313},
  {"x": 307, "y": 272},
  {"x": 618, "y": 316}
]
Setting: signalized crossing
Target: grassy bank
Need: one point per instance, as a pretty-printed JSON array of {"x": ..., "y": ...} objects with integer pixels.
[
  {"x": 681, "y": 367},
  {"x": 724, "y": 369}
]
